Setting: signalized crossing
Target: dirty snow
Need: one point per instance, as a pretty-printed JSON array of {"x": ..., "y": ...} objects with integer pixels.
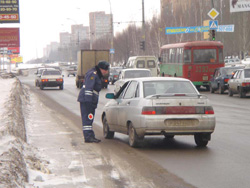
[{"x": 37, "y": 151}]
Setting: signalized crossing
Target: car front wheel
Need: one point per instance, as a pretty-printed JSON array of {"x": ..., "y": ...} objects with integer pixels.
[
  {"x": 211, "y": 89},
  {"x": 106, "y": 132}
]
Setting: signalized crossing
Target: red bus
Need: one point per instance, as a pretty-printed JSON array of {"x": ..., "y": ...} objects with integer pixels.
[{"x": 195, "y": 60}]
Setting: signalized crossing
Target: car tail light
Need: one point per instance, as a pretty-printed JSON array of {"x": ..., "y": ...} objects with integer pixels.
[
  {"x": 59, "y": 80},
  {"x": 245, "y": 84},
  {"x": 115, "y": 76},
  {"x": 209, "y": 110},
  {"x": 106, "y": 80},
  {"x": 44, "y": 80},
  {"x": 148, "y": 111},
  {"x": 226, "y": 80},
  {"x": 177, "y": 110}
]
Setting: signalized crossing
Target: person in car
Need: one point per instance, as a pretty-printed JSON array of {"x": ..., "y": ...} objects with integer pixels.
[{"x": 88, "y": 98}]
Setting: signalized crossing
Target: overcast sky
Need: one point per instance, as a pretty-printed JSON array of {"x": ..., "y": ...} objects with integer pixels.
[{"x": 43, "y": 20}]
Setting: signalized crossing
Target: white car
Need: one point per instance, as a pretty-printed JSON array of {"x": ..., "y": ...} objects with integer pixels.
[
  {"x": 51, "y": 78},
  {"x": 239, "y": 83},
  {"x": 158, "y": 106},
  {"x": 127, "y": 74}
]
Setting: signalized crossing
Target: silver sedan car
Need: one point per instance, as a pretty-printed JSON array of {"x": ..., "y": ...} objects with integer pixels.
[{"x": 158, "y": 106}]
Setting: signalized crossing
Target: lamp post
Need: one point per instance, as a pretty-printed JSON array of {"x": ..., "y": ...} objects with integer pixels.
[
  {"x": 78, "y": 40},
  {"x": 112, "y": 34}
]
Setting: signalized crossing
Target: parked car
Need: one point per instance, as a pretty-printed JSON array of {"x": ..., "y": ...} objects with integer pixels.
[
  {"x": 233, "y": 61},
  {"x": 51, "y": 78},
  {"x": 158, "y": 106},
  {"x": 239, "y": 83},
  {"x": 126, "y": 74},
  {"x": 220, "y": 78},
  {"x": 38, "y": 74},
  {"x": 114, "y": 74}
]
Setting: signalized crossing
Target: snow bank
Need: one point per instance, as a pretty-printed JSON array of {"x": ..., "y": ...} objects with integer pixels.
[{"x": 15, "y": 154}]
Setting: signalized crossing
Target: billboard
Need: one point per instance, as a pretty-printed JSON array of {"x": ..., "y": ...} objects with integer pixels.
[
  {"x": 9, "y": 37},
  {"x": 239, "y": 5},
  {"x": 9, "y": 11}
]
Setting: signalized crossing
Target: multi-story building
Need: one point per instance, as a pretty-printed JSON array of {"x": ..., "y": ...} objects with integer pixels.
[
  {"x": 100, "y": 25},
  {"x": 79, "y": 34},
  {"x": 65, "y": 39}
]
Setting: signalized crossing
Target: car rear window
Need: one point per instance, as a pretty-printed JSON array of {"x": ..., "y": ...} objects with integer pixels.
[
  {"x": 137, "y": 74},
  {"x": 229, "y": 71},
  {"x": 168, "y": 87},
  {"x": 51, "y": 73}
]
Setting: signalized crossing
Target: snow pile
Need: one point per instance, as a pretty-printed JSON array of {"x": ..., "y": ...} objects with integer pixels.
[{"x": 15, "y": 153}]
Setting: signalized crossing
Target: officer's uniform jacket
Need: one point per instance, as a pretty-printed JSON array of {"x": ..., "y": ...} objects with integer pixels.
[{"x": 93, "y": 85}]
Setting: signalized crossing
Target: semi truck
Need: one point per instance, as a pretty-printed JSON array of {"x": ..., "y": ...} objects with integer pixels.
[{"x": 88, "y": 59}]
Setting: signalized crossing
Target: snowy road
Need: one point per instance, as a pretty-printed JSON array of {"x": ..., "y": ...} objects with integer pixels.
[{"x": 226, "y": 154}]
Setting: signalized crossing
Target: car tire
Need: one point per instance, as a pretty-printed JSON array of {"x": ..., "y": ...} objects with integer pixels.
[
  {"x": 230, "y": 92},
  {"x": 106, "y": 132},
  {"x": 211, "y": 89},
  {"x": 242, "y": 93},
  {"x": 133, "y": 138},
  {"x": 61, "y": 87},
  {"x": 41, "y": 87},
  {"x": 200, "y": 142},
  {"x": 169, "y": 136},
  {"x": 221, "y": 91}
]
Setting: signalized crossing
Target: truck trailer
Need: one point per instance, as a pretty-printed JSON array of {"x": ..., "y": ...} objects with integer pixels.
[{"x": 88, "y": 59}]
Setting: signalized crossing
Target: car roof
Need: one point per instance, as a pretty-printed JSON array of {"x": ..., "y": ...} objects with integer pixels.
[
  {"x": 135, "y": 69},
  {"x": 142, "y": 79}
]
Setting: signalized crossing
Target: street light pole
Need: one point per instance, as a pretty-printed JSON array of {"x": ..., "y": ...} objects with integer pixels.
[{"x": 112, "y": 34}]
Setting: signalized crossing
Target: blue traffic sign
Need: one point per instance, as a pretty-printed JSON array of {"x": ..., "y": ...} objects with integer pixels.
[
  {"x": 225, "y": 28},
  {"x": 180, "y": 30},
  {"x": 213, "y": 24},
  {"x": 112, "y": 51}
]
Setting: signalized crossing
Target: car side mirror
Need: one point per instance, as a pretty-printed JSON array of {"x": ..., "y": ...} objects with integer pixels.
[{"x": 110, "y": 95}]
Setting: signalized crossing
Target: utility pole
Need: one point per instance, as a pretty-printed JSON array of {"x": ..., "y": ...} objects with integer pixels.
[
  {"x": 212, "y": 32},
  {"x": 143, "y": 29}
]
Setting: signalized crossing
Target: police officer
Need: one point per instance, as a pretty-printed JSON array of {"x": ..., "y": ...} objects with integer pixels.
[{"x": 88, "y": 98}]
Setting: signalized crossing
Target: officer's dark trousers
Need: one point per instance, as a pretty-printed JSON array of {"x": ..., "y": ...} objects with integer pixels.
[{"x": 88, "y": 114}]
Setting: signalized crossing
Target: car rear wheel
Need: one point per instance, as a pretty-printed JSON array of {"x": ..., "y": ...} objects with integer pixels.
[
  {"x": 242, "y": 93},
  {"x": 200, "y": 140},
  {"x": 230, "y": 92},
  {"x": 41, "y": 87},
  {"x": 133, "y": 138},
  {"x": 61, "y": 87},
  {"x": 106, "y": 132},
  {"x": 221, "y": 91}
]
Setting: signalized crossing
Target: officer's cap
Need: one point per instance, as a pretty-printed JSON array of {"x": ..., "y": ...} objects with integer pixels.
[{"x": 103, "y": 65}]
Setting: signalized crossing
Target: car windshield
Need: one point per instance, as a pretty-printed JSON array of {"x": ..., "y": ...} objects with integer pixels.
[
  {"x": 168, "y": 87},
  {"x": 137, "y": 74},
  {"x": 247, "y": 73},
  {"x": 51, "y": 73}
]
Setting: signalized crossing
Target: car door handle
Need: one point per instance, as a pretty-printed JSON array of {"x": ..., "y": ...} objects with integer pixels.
[{"x": 128, "y": 103}]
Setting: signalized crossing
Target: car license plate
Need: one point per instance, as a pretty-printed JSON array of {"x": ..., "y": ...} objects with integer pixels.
[
  {"x": 52, "y": 80},
  {"x": 181, "y": 122},
  {"x": 205, "y": 77}
]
